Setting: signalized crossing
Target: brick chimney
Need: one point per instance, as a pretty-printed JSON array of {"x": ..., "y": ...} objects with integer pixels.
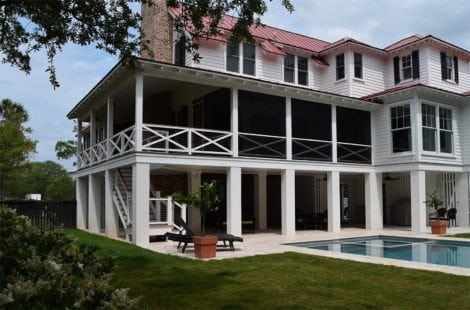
[{"x": 158, "y": 29}]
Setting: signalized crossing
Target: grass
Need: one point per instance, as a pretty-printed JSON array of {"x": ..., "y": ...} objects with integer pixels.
[
  {"x": 280, "y": 281},
  {"x": 464, "y": 235}
]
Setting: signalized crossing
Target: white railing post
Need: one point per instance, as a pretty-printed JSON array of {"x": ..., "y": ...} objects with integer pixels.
[
  {"x": 334, "y": 139},
  {"x": 288, "y": 128},
  {"x": 234, "y": 120},
  {"x": 183, "y": 212},
  {"x": 169, "y": 211},
  {"x": 190, "y": 142},
  {"x": 109, "y": 126},
  {"x": 139, "y": 110},
  {"x": 79, "y": 144}
]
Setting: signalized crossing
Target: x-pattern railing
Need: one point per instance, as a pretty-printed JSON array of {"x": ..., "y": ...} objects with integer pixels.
[
  {"x": 122, "y": 142},
  {"x": 262, "y": 145},
  {"x": 353, "y": 152},
  {"x": 311, "y": 149}
]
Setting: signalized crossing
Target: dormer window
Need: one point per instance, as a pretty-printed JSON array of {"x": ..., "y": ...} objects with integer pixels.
[
  {"x": 406, "y": 67},
  {"x": 449, "y": 67},
  {"x": 339, "y": 67},
  {"x": 296, "y": 69},
  {"x": 245, "y": 51}
]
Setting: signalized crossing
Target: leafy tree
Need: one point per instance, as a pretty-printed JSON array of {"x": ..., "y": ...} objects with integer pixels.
[
  {"x": 66, "y": 149},
  {"x": 113, "y": 26},
  {"x": 16, "y": 146},
  {"x": 60, "y": 188},
  {"x": 38, "y": 177},
  {"x": 45, "y": 269}
]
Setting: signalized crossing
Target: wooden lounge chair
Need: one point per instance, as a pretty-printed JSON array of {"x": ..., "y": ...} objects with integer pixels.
[{"x": 187, "y": 237}]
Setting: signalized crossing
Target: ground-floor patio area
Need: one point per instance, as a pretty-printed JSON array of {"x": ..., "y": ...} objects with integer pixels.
[{"x": 267, "y": 242}]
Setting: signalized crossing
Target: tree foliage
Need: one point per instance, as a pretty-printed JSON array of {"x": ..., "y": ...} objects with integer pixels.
[
  {"x": 29, "y": 26},
  {"x": 66, "y": 149},
  {"x": 60, "y": 188},
  {"x": 44, "y": 269},
  {"x": 16, "y": 146}
]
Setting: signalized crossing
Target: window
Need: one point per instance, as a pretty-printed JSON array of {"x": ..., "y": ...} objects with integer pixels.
[
  {"x": 233, "y": 56},
  {"x": 406, "y": 67},
  {"x": 358, "y": 65},
  {"x": 445, "y": 130},
  {"x": 401, "y": 128},
  {"x": 339, "y": 66},
  {"x": 449, "y": 68},
  {"x": 289, "y": 68},
  {"x": 249, "y": 59},
  {"x": 302, "y": 70},
  {"x": 428, "y": 113}
]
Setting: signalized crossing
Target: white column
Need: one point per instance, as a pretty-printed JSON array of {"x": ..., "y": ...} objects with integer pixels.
[
  {"x": 109, "y": 124},
  {"x": 111, "y": 214},
  {"x": 139, "y": 110},
  {"x": 82, "y": 201},
  {"x": 234, "y": 120},
  {"x": 79, "y": 142},
  {"x": 260, "y": 200},
  {"x": 334, "y": 139},
  {"x": 418, "y": 198},
  {"x": 94, "y": 201},
  {"x": 333, "y": 196},
  {"x": 140, "y": 204},
  {"x": 194, "y": 216},
  {"x": 462, "y": 216},
  {"x": 288, "y": 202},
  {"x": 234, "y": 201},
  {"x": 373, "y": 200},
  {"x": 92, "y": 128},
  {"x": 288, "y": 128}
]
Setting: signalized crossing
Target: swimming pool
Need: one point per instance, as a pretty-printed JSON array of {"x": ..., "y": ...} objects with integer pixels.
[{"x": 440, "y": 252}]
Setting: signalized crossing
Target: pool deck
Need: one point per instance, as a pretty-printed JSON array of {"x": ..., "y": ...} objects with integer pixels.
[{"x": 272, "y": 242}]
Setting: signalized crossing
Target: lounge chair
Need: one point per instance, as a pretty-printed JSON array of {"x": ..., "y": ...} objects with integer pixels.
[{"x": 187, "y": 237}]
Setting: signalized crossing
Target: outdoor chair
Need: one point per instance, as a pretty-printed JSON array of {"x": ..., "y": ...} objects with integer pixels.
[
  {"x": 452, "y": 216},
  {"x": 187, "y": 237}
]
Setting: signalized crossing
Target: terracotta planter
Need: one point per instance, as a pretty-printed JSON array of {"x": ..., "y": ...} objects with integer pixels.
[
  {"x": 205, "y": 246},
  {"x": 439, "y": 227}
]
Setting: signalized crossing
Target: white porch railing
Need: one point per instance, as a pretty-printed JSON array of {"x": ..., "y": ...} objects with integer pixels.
[
  {"x": 165, "y": 210},
  {"x": 169, "y": 139},
  {"x": 355, "y": 153},
  {"x": 311, "y": 149},
  {"x": 258, "y": 145}
]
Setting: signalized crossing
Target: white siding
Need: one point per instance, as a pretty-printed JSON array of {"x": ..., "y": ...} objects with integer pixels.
[
  {"x": 268, "y": 66},
  {"x": 436, "y": 75},
  {"x": 389, "y": 71},
  {"x": 327, "y": 77},
  {"x": 373, "y": 72},
  {"x": 212, "y": 56},
  {"x": 464, "y": 130}
]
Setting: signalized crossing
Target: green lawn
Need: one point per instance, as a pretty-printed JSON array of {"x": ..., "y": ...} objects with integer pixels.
[
  {"x": 466, "y": 236},
  {"x": 287, "y": 280}
]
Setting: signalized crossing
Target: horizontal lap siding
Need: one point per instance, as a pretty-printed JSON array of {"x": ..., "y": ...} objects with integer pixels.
[
  {"x": 464, "y": 127},
  {"x": 269, "y": 66},
  {"x": 212, "y": 56},
  {"x": 373, "y": 77},
  {"x": 435, "y": 78},
  {"x": 328, "y": 81}
]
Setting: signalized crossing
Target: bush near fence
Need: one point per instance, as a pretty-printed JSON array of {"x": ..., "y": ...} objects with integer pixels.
[{"x": 46, "y": 214}]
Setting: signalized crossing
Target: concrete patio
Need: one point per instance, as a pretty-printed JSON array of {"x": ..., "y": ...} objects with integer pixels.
[{"x": 272, "y": 242}]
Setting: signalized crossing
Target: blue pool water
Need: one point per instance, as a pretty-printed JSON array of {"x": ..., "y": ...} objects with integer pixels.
[{"x": 440, "y": 252}]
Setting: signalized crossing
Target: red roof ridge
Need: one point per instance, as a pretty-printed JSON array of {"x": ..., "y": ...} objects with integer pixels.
[{"x": 401, "y": 42}]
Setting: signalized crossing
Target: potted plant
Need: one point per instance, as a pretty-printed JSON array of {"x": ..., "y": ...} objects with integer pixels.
[
  {"x": 205, "y": 199},
  {"x": 438, "y": 225}
]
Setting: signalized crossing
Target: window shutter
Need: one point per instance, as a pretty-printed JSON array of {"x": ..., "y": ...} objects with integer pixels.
[
  {"x": 443, "y": 66},
  {"x": 456, "y": 69},
  {"x": 415, "y": 60},
  {"x": 396, "y": 68}
]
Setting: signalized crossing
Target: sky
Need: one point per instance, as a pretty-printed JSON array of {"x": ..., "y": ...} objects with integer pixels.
[{"x": 375, "y": 22}]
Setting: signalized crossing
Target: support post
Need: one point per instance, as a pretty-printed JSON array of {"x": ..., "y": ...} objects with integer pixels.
[
  {"x": 111, "y": 214},
  {"x": 79, "y": 143},
  {"x": 94, "y": 200},
  {"x": 462, "y": 187},
  {"x": 333, "y": 196},
  {"x": 418, "y": 198},
  {"x": 139, "y": 110},
  {"x": 234, "y": 120},
  {"x": 260, "y": 200},
  {"x": 194, "y": 216},
  {"x": 92, "y": 128},
  {"x": 140, "y": 204},
  {"x": 109, "y": 125},
  {"x": 82, "y": 202},
  {"x": 288, "y": 128},
  {"x": 234, "y": 201},
  {"x": 373, "y": 200},
  {"x": 288, "y": 202},
  {"x": 334, "y": 136}
]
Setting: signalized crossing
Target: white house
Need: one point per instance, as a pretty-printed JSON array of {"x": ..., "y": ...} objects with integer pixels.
[{"x": 298, "y": 132}]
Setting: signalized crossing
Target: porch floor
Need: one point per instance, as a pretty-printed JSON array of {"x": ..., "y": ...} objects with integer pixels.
[{"x": 270, "y": 243}]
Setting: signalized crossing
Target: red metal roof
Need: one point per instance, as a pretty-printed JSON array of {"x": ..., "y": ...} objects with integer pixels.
[
  {"x": 269, "y": 47},
  {"x": 403, "y": 42}
]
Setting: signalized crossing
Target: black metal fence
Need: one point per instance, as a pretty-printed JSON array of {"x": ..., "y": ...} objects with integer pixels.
[{"x": 46, "y": 214}]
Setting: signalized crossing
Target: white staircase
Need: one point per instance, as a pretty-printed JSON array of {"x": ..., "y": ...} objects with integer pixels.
[{"x": 162, "y": 210}]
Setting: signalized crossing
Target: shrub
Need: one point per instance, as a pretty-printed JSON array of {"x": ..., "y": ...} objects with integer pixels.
[{"x": 46, "y": 269}]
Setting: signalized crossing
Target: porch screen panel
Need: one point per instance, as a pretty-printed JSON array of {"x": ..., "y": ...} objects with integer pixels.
[
  {"x": 262, "y": 125},
  {"x": 311, "y": 130},
  {"x": 354, "y": 136}
]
